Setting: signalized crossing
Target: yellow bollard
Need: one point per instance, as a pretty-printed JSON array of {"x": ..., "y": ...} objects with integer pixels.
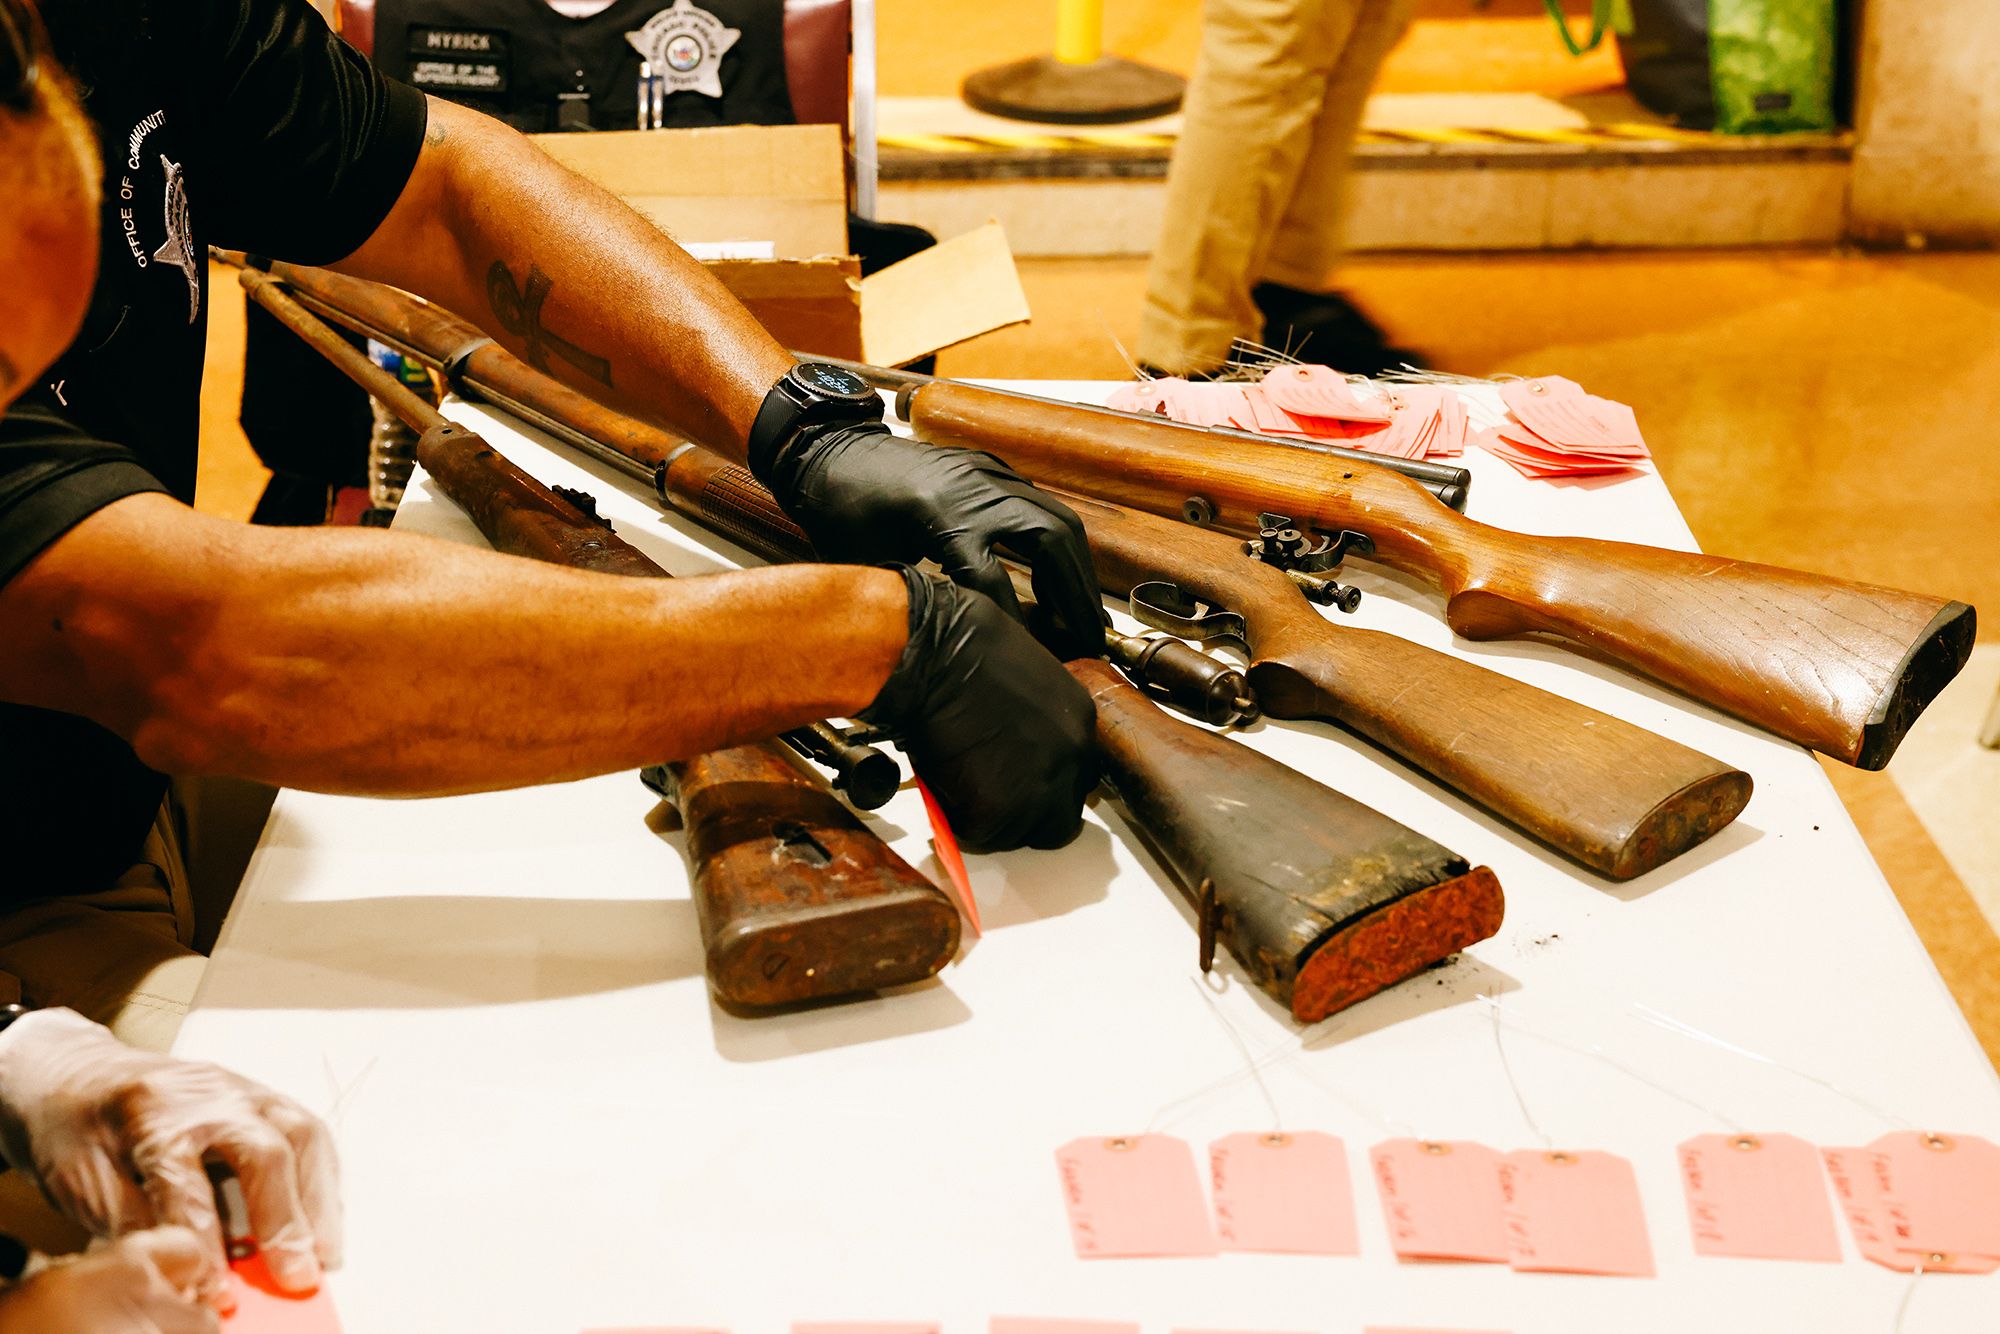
[
  {"x": 1079, "y": 31},
  {"x": 1079, "y": 84}
]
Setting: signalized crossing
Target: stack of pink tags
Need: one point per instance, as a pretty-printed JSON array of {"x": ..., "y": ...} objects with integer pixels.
[
  {"x": 1410, "y": 421},
  {"x": 1554, "y": 429}
]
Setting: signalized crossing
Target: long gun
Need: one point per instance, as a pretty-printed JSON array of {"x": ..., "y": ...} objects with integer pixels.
[
  {"x": 1322, "y": 900},
  {"x": 1844, "y": 668},
  {"x": 797, "y": 900}
]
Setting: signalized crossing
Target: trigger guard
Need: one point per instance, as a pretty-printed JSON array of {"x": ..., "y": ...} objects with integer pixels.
[{"x": 1158, "y": 604}]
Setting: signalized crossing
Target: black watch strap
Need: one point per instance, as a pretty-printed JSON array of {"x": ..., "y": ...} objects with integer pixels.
[{"x": 809, "y": 394}]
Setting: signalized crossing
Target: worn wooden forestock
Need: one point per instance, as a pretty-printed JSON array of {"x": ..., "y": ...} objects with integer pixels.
[
  {"x": 1616, "y": 797},
  {"x": 797, "y": 899},
  {"x": 1323, "y": 901},
  {"x": 1842, "y": 667}
]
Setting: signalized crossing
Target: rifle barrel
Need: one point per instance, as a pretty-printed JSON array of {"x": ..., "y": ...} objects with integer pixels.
[{"x": 860, "y": 773}]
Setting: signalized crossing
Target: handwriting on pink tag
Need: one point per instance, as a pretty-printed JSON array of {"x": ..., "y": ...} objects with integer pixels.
[
  {"x": 1440, "y": 1199},
  {"x": 1134, "y": 1195},
  {"x": 262, "y": 1307},
  {"x": 1757, "y": 1197},
  {"x": 1573, "y": 1212},
  {"x": 1948, "y": 1187},
  {"x": 1285, "y": 1193},
  {"x": 1880, "y": 1228},
  {"x": 1020, "y": 1324}
]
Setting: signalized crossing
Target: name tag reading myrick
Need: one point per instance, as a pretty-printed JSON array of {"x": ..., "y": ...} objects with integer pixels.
[
  {"x": 685, "y": 46},
  {"x": 459, "y": 60}
]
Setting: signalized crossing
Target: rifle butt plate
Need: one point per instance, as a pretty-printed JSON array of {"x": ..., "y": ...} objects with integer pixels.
[{"x": 1397, "y": 941}]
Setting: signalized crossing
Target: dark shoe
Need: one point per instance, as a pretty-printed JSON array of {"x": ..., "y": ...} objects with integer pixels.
[{"x": 1326, "y": 328}]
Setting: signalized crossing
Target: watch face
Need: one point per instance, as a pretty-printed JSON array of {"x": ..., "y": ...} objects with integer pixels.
[{"x": 832, "y": 381}]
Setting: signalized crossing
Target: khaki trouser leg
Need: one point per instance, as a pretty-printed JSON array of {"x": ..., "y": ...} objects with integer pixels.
[
  {"x": 1306, "y": 248},
  {"x": 1252, "y": 115}
]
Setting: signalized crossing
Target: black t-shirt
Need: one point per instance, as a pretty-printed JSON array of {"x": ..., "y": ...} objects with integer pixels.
[{"x": 239, "y": 123}]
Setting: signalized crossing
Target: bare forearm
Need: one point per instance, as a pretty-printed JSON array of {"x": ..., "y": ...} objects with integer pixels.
[
  {"x": 572, "y": 280},
  {"x": 349, "y": 661}
]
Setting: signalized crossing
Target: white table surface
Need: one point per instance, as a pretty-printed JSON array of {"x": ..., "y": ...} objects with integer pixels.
[{"x": 546, "y": 1124}]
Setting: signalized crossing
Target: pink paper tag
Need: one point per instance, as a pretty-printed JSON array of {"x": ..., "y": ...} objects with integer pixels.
[
  {"x": 1134, "y": 1195},
  {"x": 1573, "y": 1212},
  {"x": 1560, "y": 412},
  {"x": 1147, "y": 396},
  {"x": 1021, "y": 1324},
  {"x": 1288, "y": 1193},
  {"x": 1857, "y": 1176},
  {"x": 1757, "y": 1197},
  {"x": 1318, "y": 391},
  {"x": 262, "y": 1307},
  {"x": 1441, "y": 1199},
  {"x": 1948, "y": 1187}
]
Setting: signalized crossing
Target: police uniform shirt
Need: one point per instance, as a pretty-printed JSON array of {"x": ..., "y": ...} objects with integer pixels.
[
  {"x": 519, "y": 60},
  {"x": 239, "y": 123}
]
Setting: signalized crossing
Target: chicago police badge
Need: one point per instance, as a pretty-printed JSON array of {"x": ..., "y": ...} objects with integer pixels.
[{"x": 685, "y": 46}]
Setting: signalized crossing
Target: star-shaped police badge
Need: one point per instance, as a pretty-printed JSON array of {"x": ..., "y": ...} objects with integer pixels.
[
  {"x": 179, "y": 248},
  {"x": 686, "y": 46}
]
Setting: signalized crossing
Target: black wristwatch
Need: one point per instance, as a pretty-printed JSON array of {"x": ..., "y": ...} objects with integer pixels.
[
  {"x": 812, "y": 393},
  {"x": 9, "y": 1013}
]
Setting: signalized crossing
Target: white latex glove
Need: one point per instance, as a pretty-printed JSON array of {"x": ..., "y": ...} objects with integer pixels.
[
  {"x": 144, "y": 1283},
  {"x": 117, "y": 1139}
]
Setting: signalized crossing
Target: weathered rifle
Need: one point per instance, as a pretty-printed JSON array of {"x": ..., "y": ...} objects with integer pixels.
[
  {"x": 1320, "y": 899},
  {"x": 797, "y": 900},
  {"x": 1842, "y": 667}
]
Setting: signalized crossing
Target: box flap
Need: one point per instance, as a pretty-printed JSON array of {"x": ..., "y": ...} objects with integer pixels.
[
  {"x": 785, "y": 184},
  {"x": 809, "y": 305},
  {"x": 957, "y": 289}
]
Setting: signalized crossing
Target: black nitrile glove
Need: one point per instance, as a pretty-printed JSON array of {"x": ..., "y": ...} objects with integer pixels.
[
  {"x": 996, "y": 727},
  {"x": 866, "y": 496}
]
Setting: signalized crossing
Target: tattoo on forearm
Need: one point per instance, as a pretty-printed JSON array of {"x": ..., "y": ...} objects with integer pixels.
[{"x": 520, "y": 313}]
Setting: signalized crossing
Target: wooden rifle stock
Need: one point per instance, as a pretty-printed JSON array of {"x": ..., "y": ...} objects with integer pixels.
[
  {"x": 1841, "y": 667},
  {"x": 797, "y": 900},
  {"x": 1616, "y": 797},
  {"x": 1322, "y": 900}
]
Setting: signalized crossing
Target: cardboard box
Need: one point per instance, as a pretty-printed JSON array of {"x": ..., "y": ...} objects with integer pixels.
[{"x": 778, "y": 193}]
